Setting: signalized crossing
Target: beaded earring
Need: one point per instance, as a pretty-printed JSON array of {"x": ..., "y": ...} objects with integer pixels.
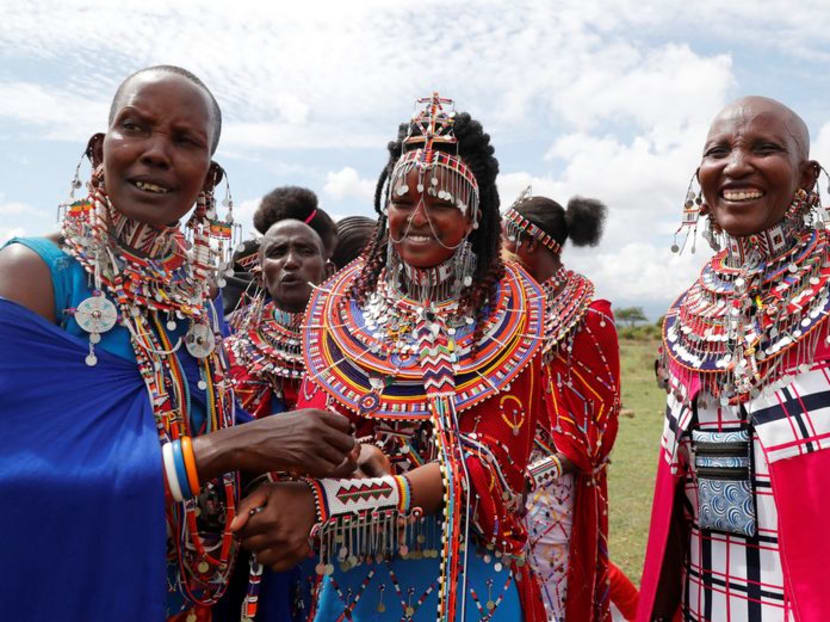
[
  {"x": 691, "y": 214},
  {"x": 712, "y": 233},
  {"x": 464, "y": 264}
]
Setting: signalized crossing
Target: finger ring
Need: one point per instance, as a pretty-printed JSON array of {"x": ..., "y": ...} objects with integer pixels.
[{"x": 256, "y": 510}]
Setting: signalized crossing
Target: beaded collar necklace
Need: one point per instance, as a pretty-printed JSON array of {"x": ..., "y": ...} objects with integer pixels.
[
  {"x": 435, "y": 284},
  {"x": 398, "y": 359},
  {"x": 160, "y": 280},
  {"x": 568, "y": 296},
  {"x": 756, "y": 313},
  {"x": 270, "y": 344}
]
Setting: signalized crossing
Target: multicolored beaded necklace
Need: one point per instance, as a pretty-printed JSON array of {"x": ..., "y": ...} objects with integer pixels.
[
  {"x": 155, "y": 281},
  {"x": 399, "y": 358},
  {"x": 756, "y": 313},
  {"x": 568, "y": 296},
  {"x": 269, "y": 344}
]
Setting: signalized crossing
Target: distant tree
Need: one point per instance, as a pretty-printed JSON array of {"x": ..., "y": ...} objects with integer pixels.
[{"x": 630, "y": 315}]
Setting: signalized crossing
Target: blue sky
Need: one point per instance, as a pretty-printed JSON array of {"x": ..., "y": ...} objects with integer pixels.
[{"x": 603, "y": 99}]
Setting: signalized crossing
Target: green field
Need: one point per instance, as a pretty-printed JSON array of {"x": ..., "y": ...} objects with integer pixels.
[{"x": 634, "y": 459}]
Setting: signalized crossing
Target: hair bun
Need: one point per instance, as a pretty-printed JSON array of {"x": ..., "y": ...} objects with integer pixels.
[{"x": 585, "y": 220}]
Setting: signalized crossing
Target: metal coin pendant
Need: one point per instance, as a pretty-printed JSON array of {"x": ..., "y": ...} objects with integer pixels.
[
  {"x": 96, "y": 314},
  {"x": 199, "y": 341}
]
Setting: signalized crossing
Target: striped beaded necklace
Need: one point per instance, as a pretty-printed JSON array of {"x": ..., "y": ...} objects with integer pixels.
[
  {"x": 568, "y": 296},
  {"x": 155, "y": 280},
  {"x": 756, "y": 313}
]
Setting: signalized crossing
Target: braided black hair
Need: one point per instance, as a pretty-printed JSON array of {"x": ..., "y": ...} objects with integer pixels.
[
  {"x": 216, "y": 113},
  {"x": 298, "y": 203},
  {"x": 475, "y": 150},
  {"x": 581, "y": 223}
]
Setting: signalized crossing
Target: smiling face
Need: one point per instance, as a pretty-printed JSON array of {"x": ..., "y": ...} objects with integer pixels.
[
  {"x": 424, "y": 229},
  {"x": 754, "y": 160},
  {"x": 291, "y": 257},
  {"x": 157, "y": 150}
]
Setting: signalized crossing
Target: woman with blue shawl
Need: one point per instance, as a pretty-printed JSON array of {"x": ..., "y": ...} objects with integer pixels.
[{"x": 118, "y": 445}]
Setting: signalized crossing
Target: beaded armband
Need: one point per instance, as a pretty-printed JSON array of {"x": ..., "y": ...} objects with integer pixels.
[
  {"x": 545, "y": 470},
  {"x": 359, "y": 519}
]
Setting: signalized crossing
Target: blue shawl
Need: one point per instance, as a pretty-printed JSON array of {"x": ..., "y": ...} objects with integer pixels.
[{"x": 81, "y": 485}]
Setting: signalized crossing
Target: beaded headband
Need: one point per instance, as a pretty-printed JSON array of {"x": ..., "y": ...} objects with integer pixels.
[
  {"x": 450, "y": 179},
  {"x": 517, "y": 224}
]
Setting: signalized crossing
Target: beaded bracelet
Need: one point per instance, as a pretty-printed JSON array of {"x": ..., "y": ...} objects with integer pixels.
[
  {"x": 362, "y": 515},
  {"x": 190, "y": 465},
  {"x": 170, "y": 472},
  {"x": 545, "y": 470},
  {"x": 181, "y": 469}
]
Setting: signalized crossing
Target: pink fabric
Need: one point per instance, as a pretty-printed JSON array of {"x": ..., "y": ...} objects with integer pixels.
[
  {"x": 802, "y": 498},
  {"x": 661, "y": 512}
]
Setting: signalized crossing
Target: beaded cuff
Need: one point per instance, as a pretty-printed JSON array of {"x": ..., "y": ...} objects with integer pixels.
[
  {"x": 545, "y": 470},
  {"x": 360, "y": 520}
]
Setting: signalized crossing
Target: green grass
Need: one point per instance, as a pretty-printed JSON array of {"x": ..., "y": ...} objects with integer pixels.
[{"x": 634, "y": 458}]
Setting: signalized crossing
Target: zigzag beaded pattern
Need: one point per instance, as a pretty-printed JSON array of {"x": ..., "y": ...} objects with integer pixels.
[{"x": 350, "y": 359}]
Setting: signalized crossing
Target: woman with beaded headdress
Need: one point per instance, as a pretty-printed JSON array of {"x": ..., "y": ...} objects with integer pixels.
[
  {"x": 740, "y": 507},
  {"x": 117, "y": 411},
  {"x": 568, "y": 507},
  {"x": 430, "y": 343}
]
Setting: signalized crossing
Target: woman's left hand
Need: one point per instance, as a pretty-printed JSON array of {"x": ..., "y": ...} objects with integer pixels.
[{"x": 277, "y": 533}]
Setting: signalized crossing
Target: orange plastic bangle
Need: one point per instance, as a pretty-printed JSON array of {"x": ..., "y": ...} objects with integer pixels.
[{"x": 190, "y": 465}]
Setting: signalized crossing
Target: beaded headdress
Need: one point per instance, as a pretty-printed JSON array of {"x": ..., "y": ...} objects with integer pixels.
[
  {"x": 516, "y": 224},
  {"x": 443, "y": 174}
]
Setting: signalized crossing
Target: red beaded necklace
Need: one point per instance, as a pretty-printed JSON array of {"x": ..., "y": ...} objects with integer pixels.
[{"x": 146, "y": 288}]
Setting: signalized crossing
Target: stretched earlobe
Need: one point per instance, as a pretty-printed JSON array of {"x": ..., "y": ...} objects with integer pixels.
[
  {"x": 214, "y": 175},
  {"x": 95, "y": 149}
]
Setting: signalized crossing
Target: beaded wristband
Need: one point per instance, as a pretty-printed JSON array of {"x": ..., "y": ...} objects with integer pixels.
[
  {"x": 545, "y": 470},
  {"x": 170, "y": 472},
  {"x": 190, "y": 465},
  {"x": 359, "y": 518},
  {"x": 181, "y": 469}
]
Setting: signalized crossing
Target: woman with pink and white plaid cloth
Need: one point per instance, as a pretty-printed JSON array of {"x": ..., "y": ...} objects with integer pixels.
[{"x": 740, "y": 507}]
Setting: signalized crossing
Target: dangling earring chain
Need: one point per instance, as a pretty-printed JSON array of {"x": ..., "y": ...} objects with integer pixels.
[{"x": 691, "y": 214}]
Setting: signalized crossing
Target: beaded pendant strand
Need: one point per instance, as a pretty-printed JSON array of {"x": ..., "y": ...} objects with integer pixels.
[
  {"x": 756, "y": 313},
  {"x": 154, "y": 285}
]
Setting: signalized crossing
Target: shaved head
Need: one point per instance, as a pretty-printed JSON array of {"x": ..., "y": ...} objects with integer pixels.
[
  {"x": 753, "y": 106},
  {"x": 755, "y": 160}
]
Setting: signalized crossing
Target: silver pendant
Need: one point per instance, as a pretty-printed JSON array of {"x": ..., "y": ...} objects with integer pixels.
[
  {"x": 96, "y": 315},
  {"x": 199, "y": 341}
]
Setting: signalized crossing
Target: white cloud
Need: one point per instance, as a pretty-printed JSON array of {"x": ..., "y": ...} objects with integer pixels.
[
  {"x": 820, "y": 148},
  {"x": 64, "y": 115},
  {"x": 347, "y": 183},
  {"x": 639, "y": 273},
  {"x": 243, "y": 213},
  {"x": 15, "y": 208}
]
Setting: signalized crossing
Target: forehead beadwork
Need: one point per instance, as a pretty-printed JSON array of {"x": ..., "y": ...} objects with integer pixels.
[
  {"x": 431, "y": 149},
  {"x": 516, "y": 224}
]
